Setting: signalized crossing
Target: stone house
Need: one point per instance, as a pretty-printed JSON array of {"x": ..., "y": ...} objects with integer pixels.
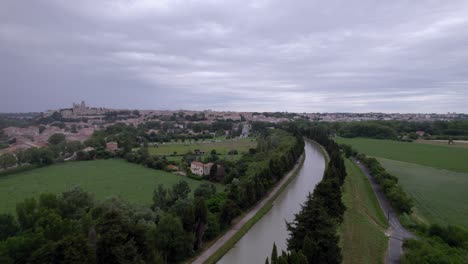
[{"x": 200, "y": 169}]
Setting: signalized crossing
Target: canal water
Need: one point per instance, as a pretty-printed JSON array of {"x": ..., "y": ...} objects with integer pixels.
[{"x": 257, "y": 244}]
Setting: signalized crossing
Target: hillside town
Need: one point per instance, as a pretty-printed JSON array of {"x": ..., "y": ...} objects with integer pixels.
[{"x": 79, "y": 122}]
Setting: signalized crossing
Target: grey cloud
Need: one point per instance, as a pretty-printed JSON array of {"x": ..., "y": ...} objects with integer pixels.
[{"x": 266, "y": 55}]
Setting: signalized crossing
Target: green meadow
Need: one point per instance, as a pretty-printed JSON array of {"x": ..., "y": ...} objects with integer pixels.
[
  {"x": 440, "y": 196},
  {"x": 363, "y": 230},
  {"x": 436, "y": 176},
  {"x": 437, "y": 156},
  {"x": 103, "y": 178},
  {"x": 222, "y": 147}
]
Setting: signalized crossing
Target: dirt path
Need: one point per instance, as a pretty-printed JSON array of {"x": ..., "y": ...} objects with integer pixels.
[
  {"x": 233, "y": 230},
  {"x": 396, "y": 232}
]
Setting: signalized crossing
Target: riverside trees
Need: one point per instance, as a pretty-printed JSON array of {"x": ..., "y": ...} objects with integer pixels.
[{"x": 313, "y": 232}]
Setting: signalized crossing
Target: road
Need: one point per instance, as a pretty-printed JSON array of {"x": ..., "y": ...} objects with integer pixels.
[
  {"x": 396, "y": 232},
  {"x": 233, "y": 230}
]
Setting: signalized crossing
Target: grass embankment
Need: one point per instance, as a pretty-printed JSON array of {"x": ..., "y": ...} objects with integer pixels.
[
  {"x": 103, "y": 178},
  {"x": 245, "y": 228},
  {"x": 437, "y": 156},
  {"x": 440, "y": 196},
  {"x": 363, "y": 230}
]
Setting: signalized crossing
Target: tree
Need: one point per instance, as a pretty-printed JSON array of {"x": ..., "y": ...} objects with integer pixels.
[
  {"x": 229, "y": 210},
  {"x": 201, "y": 220},
  {"x": 7, "y": 160},
  {"x": 205, "y": 190},
  {"x": 213, "y": 171},
  {"x": 41, "y": 129},
  {"x": 73, "y": 146},
  {"x": 28, "y": 213},
  {"x": 8, "y": 226},
  {"x": 172, "y": 240},
  {"x": 42, "y": 157},
  {"x": 180, "y": 190},
  {"x": 75, "y": 203},
  {"x": 160, "y": 198},
  {"x": 116, "y": 243},
  {"x": 274, "y": 254},
  {"x": 74, "y": 249},
  {"x": 56, "y": 139}
]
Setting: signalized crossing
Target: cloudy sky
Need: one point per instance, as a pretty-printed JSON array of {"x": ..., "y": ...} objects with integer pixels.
[{"x": 262, "y": 55}]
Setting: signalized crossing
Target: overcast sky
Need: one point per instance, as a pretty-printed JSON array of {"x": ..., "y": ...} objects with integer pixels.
[{"x": 300, "y": 56}]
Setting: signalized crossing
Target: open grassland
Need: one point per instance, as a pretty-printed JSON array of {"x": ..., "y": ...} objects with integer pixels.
[
  {"x": 221, "y": 157},
  {"x": 457, "y": 143},
  {"x": 440, "y": 196},
  {"x": 362, "y": 232},
  {"x": 221, "y": 147},
  {"x": 103, "y": 178},
  {"x": 442, "y": 157}
]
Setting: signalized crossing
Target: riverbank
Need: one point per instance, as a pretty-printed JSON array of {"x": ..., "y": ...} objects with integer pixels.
[{"x": 235, "y": 233}]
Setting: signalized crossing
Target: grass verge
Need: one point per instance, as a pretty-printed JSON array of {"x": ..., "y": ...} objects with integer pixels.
[{"x": 362, "y": 232}]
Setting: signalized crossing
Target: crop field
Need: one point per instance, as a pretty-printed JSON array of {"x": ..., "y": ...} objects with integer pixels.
[
  {"x": 221, "y": 147},
  {"x": 442, "y": 157},
  {"x": 436, "y": 176},
  {"x": 362, "y": 232},
  {"x": 440, "y": 196},
  {"x": 103, "y": 178}
]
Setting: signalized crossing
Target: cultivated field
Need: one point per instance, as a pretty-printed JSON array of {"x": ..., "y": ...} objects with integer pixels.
[
  {"x": 221, "y": 147},
  {"x": 440, "y": 196},
  {"x": 104, "y": 178},
  {"x": 436, "y": 176},
  {"x": 362, "y": 232},
  {"x": 443, "y": 157}
]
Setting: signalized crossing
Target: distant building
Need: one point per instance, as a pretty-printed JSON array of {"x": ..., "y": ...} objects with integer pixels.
[
  {"x": 172, "y": 167},
  {"x": 80, "y": 110},
  {"x": 420, "y": 133},
  {"x": 199, "y": 168},
  {"x": 112, "y": 146}
]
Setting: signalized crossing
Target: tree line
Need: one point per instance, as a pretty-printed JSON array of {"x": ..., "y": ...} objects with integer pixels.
[
  {"x": 398, "y": 198},
  {"x": 380, "y": 129},
  {"x": 313, "y": 235}
]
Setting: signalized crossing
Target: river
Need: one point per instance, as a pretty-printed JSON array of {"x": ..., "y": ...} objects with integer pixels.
[{"x": 257, "y": 244}]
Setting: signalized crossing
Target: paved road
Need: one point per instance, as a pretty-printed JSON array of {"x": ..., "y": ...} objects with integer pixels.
[
  {"x": 396, "y": 232},
  {"x": 229, "y": 234}
]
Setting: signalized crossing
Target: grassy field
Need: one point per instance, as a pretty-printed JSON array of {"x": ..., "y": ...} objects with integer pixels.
[
  {"x": 362, "y": 232},
  {"x": 440, "y": 196},
  {"x": 457, "y": 143},
  {"x": 221, "y": 147},
  {"x": 221, "y": 157},
  {"x": 103, "y": 178},
  {"x": 442, "y": 157}
]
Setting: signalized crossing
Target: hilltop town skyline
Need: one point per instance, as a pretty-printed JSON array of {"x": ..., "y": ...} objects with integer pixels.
[{"x": 66, "y": 105}]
